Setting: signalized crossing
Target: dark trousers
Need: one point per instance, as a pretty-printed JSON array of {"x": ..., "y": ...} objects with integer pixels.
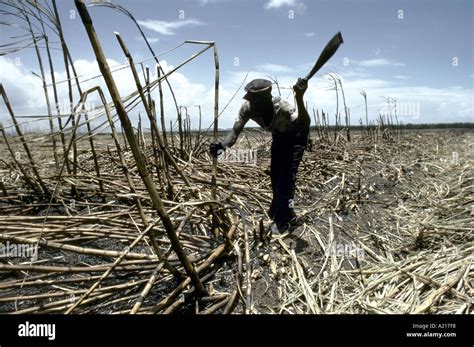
[{"x": 287, "y": 151}]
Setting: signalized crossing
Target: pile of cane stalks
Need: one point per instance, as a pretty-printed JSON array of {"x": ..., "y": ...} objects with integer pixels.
[{"x": 400, "y": 205}]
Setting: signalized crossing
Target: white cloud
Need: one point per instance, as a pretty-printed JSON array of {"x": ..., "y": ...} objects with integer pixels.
[
  {"x": 279, "y": 3},
  {"x": 169, "y": 28},
  {"x": 447, "y": 104},
  {"x": 311, "y": 34},
  {"x": 23, "y": 89},
  {"x": 187, "y": 92},
  {"x": 379, "y": 62},
  {"x": 275, "y": 68},
  {"x": 401, "y": 77},
  {"x": 435, "y": 105},
  {"x": 207, "y": 2},
  {"x": 27, "y": 97},
  {"x": 365, "y": 83},
  {"x": 150, "y": 39},
  {"x": 355, "y": 72},
  {"x": 276, "y": 4}
]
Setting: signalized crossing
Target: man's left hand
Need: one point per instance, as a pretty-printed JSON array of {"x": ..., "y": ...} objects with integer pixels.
[
  {"x": 300, "y": 87},
  {"x": 216, "y": 149}
]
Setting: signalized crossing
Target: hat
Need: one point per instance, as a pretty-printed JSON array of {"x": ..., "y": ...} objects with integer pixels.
[{"x": 257, "y": 86}]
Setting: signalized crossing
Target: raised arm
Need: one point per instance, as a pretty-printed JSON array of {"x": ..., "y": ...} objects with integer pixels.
[{"x": 303, "y": 116}]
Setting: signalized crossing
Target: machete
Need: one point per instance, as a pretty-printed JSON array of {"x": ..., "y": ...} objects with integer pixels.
[{"x": 326, "y": 54}]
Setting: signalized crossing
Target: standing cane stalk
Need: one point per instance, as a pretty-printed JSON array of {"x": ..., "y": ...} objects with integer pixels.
[
  {"x": 138, "y": 155},
  {"x": 216, "y": 119}
]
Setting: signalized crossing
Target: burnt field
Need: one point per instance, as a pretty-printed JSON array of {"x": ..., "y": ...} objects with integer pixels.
[
  {"x": 387, "y": 226},
  {"x": 111, "y": 204}
]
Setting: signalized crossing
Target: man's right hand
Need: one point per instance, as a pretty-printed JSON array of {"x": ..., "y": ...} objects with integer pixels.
[
  {"x": 216, "y": 149},
  {"x": 300, "y": 87}
]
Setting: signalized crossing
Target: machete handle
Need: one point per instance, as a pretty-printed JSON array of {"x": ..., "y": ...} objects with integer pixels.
[{"x": 328, "y": 51}]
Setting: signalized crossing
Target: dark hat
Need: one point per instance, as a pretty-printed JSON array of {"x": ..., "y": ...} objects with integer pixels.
[{"x": 257, "y": 86}]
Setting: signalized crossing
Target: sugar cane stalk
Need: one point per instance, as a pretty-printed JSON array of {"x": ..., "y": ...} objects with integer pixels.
[
  {"x": 18, "y": 164},
  {"x": 23, "y": 141},
  {"x": 153, "y": 123},
  {"x": 139, "y": 159},
  {"x": 216, "y": 118}
]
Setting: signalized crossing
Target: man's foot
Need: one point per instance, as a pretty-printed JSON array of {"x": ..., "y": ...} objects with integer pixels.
[
  {"x": 295, "y": 222},
  {"x": 279, "y": 229}
]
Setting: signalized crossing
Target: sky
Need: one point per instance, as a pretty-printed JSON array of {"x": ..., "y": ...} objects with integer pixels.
[{"x": 418, "y": 52}]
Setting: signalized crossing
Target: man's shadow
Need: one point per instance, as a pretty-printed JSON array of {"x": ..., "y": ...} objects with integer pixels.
[{"x": 296, "y": 243}]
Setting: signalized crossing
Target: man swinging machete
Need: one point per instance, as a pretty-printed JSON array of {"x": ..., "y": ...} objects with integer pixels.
[{"x": 290, "y": 130}]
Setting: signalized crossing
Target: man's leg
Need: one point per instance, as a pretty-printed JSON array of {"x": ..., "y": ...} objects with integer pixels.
[
  {"x": 273, "y": 176},
  {"x": 281, "y": 170},
  {"x": 298, "y": 150}
]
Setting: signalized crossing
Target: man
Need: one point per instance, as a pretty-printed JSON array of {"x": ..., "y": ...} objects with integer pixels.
[{"x": 290, "y": 131}]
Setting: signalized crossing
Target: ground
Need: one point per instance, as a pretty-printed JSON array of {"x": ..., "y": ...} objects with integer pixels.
[{"x": 387, "y": 227}]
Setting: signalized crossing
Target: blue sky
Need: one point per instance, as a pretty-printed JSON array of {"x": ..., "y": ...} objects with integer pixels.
[{"x": 419, "y": 52}]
